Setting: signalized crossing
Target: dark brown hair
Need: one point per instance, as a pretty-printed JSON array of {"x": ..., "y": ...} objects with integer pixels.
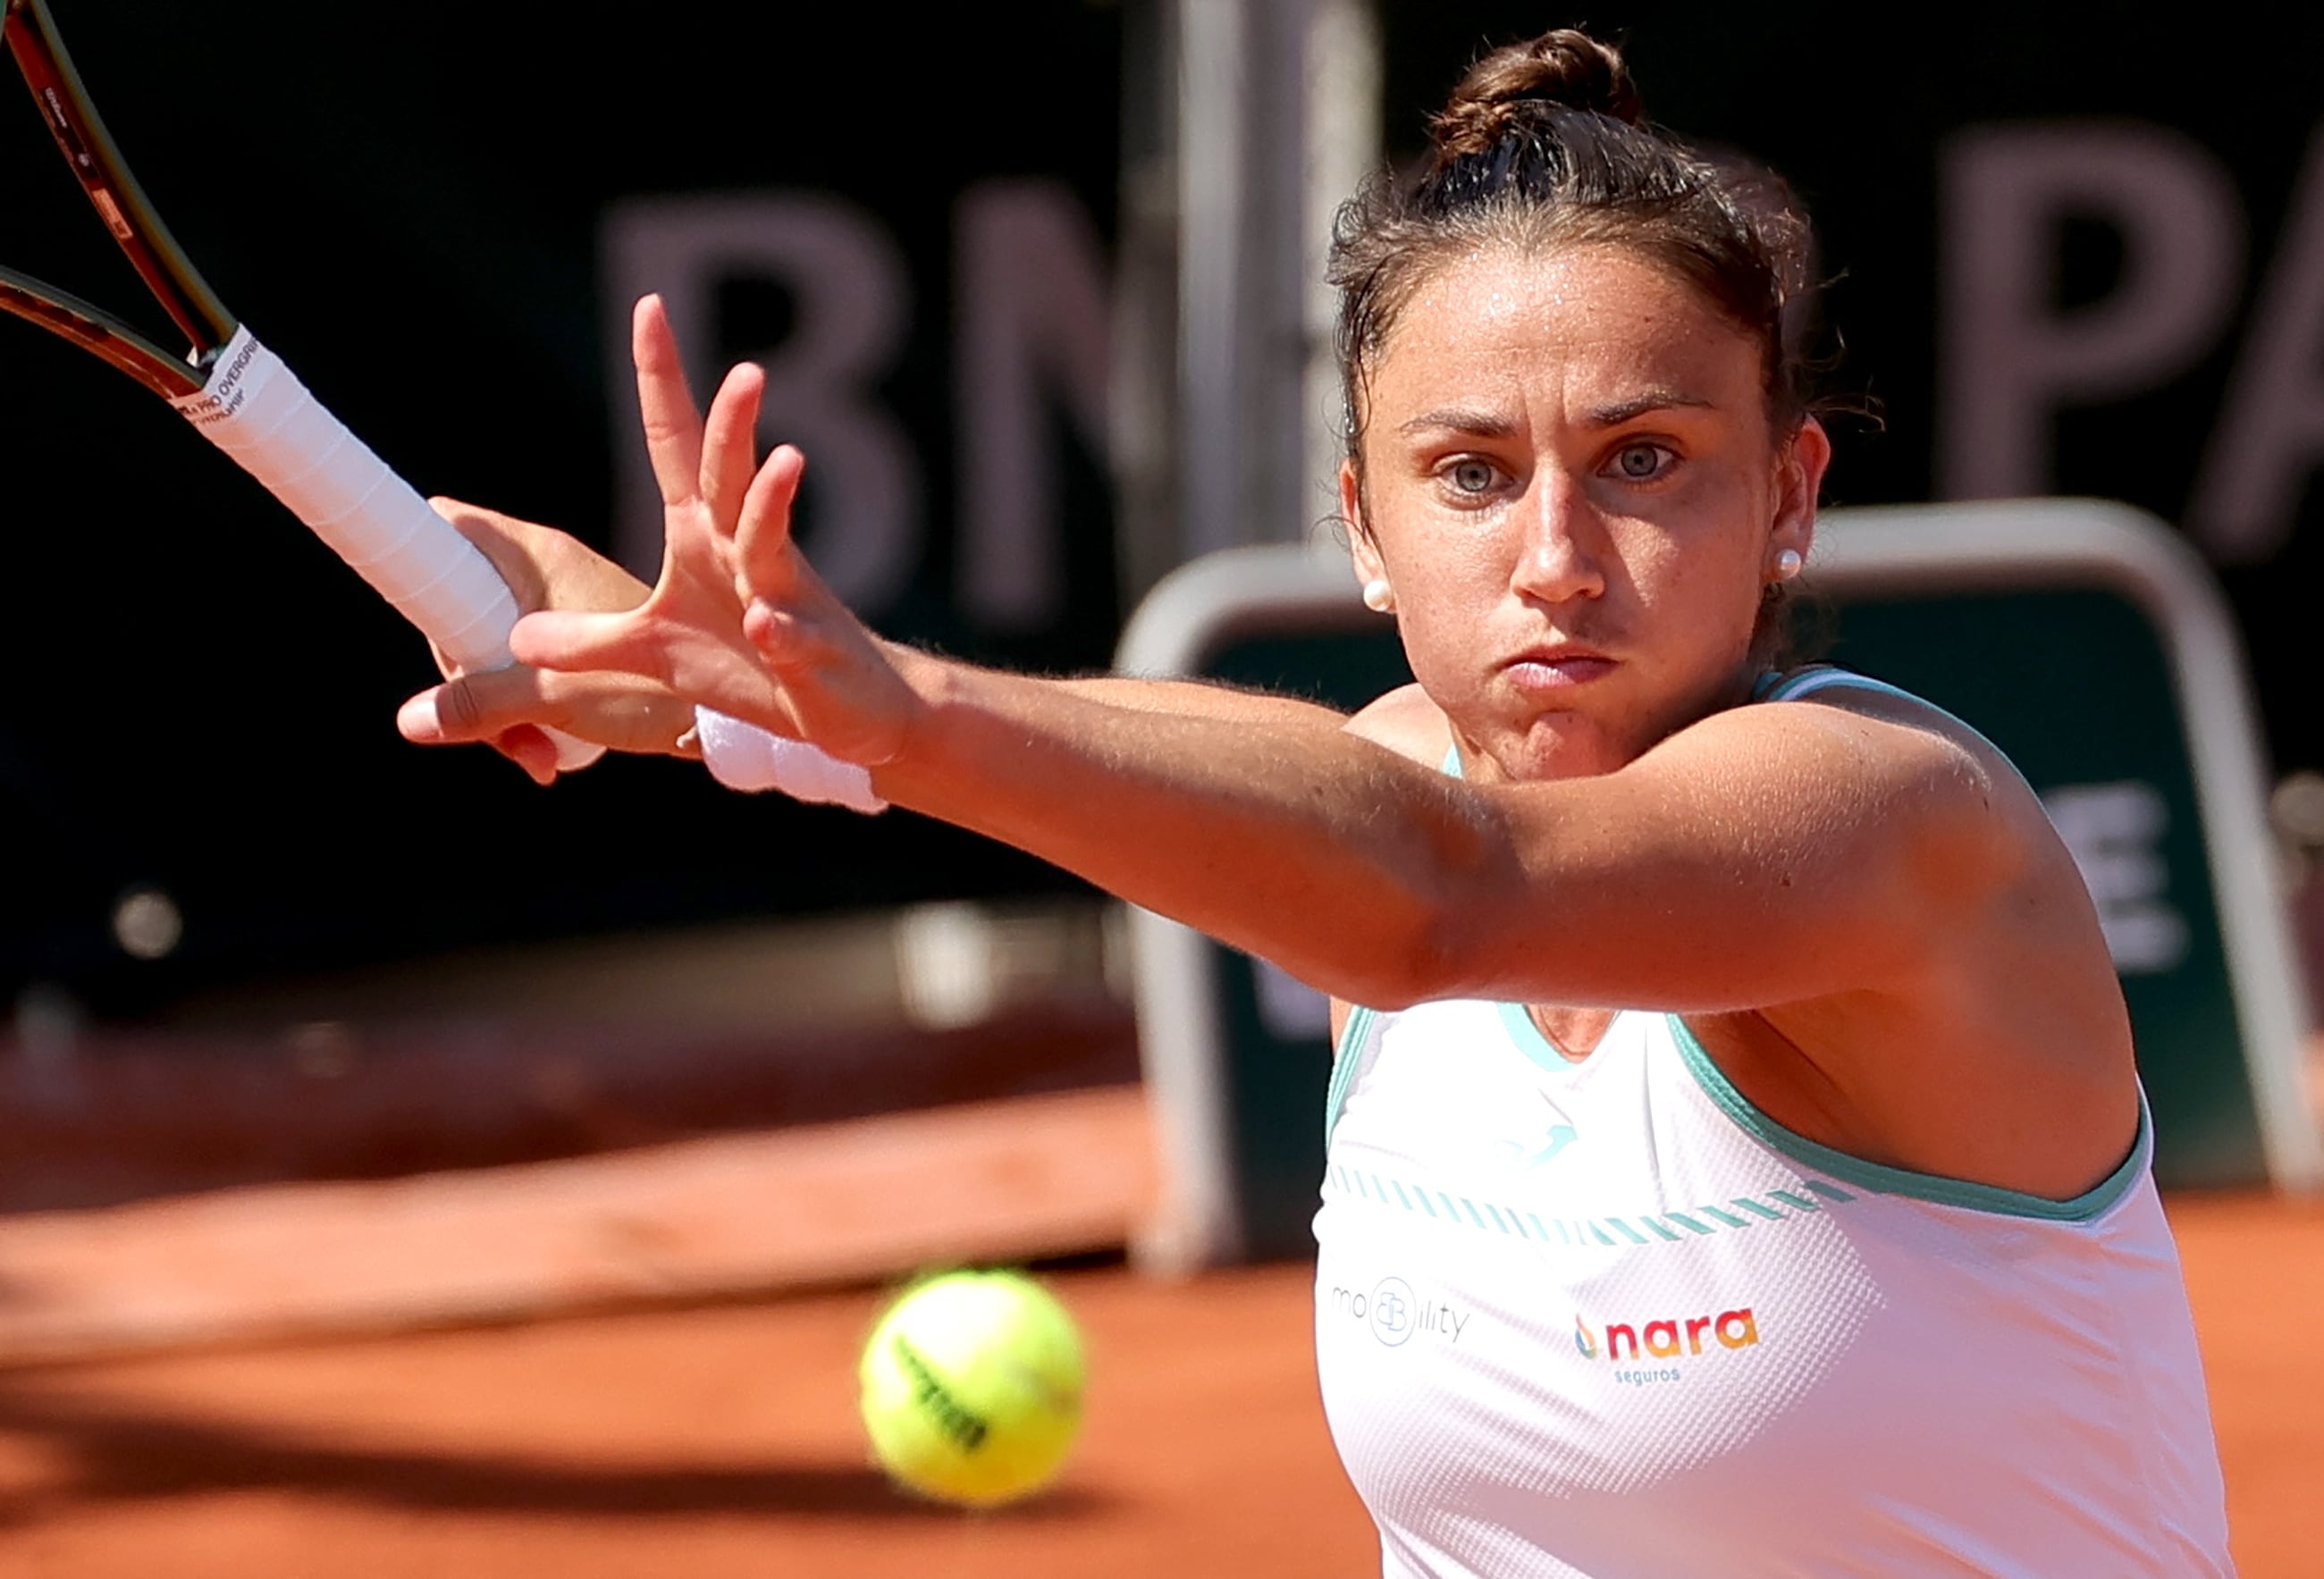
[{"x": 1543, "y": 145}]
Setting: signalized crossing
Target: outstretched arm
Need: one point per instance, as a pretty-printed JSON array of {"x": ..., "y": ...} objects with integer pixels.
[
  {"x": 1769, "y": 853},
  {"x": 1762, "y": 856}
]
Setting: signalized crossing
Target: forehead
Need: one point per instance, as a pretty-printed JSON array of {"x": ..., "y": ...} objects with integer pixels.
[{"x": 1591, "y": 325}]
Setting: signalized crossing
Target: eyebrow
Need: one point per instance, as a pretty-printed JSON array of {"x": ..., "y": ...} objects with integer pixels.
[
  {"x": 1490, "y": 424},
  {"x": 1637, "y": 406},
  {"x": 1483, "y": 424}
]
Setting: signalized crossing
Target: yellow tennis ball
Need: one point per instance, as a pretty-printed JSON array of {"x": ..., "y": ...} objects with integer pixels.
[{"x": 973, "y": 1387}]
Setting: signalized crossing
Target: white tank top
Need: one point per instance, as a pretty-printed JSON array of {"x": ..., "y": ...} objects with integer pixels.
[{"x": 1607, "y": 1320}]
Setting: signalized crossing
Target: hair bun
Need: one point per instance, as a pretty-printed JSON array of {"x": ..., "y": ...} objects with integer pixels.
[{"x": 1564, "y": 67}]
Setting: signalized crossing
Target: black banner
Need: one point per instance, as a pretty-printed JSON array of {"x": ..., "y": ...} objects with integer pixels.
[
  {"x": 2074, "y": 251},
  {"x": 2072, "y": 254},
  {"x": 441, "y": 225}
]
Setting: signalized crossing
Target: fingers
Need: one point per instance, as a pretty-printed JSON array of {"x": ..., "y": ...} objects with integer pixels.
[
  {"x": 481, "y": 707},
  {"x": 673, "y": 424},
  {"x": 514, "y": 711},
  {"x": 531, "y": 748},
  {"x": 765, "y": 561},
  {"x": 503, "y": 540},
  {"x": 543, "y": 567},
  {"x": 474, "y": 707},
  {"x": 729, "y": 441},
  {"x": 623, "y": 644}
]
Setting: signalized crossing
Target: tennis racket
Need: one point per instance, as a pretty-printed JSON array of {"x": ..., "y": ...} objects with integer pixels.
[{"x": 240, "y": 396}]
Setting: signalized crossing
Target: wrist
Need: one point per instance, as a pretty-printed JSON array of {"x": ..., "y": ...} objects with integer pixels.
[{"x": 932, "y": 684}]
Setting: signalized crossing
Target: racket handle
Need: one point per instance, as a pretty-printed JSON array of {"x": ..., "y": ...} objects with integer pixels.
[{"x": 255, "y": 410}]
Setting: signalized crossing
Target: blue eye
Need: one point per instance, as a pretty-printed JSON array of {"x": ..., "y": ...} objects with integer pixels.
[
  {"x": 1642, "y": 462},
  {"x": 1470, "y": 476}
]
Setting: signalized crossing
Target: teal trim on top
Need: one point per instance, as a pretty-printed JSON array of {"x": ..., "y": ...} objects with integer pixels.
[
  {"x": 1345, "y": 1055},
  {"x": 1816, "y": 677},
  {"x": 1529, "y": 1039},
  {"x": 1883, "y": 1179},
  {"x": 1772, "y": 686}
]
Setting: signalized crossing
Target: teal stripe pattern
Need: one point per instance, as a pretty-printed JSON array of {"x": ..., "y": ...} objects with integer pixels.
[
  {"x": 1879, "y": 1178},
  {"x": 1647, "y": 1229}
]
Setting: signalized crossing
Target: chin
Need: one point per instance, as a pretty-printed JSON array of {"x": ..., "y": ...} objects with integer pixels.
[{"x": 1566, "y": 745}]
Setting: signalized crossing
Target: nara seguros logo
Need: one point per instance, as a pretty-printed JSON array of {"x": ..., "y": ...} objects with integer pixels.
[{"x": 1668, "y": 1339}]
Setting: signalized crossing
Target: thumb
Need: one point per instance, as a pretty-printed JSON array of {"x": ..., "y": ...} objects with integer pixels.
[
  {"x": 496, "y": 707},
  {"x": 474, "y": 707}
]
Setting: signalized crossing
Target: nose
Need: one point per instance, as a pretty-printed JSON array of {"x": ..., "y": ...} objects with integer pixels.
[{"x": 1561, "y": 542}]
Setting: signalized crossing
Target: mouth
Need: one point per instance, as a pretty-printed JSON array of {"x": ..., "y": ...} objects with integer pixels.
[{"x": 1557, "y": 667}]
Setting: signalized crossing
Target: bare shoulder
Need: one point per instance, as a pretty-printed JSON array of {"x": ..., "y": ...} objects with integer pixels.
[
  {"x": 1855, "y": 744},
  {"x": 1909, "y": 800},
  {"x": 1931, "y": 814},
  {"x": 1408, "y": 723},
  {"x": 1927, "y": 754},
  {"x": 2014, "y": 996}
]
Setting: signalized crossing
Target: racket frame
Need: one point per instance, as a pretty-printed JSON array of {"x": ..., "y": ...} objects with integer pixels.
[
  {"x": 31, "y": 37},
  {"x": 335, "y": 483}
]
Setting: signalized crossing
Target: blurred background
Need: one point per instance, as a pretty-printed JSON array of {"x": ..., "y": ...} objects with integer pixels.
[{"x": 1037, "y": 286}]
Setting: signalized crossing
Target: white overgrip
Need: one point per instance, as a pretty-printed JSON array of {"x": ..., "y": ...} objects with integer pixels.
[{"x": 255, "y": 410}]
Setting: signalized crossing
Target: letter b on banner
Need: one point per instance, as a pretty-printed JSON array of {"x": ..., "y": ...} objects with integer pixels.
[{"x": 852, "y": 305}]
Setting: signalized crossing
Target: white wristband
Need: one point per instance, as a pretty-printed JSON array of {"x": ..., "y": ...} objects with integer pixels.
[{"x": 744, "y": 756}]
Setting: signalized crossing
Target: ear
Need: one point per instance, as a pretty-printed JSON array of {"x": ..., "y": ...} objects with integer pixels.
[
  {"x": 1799, "y": 480},
  {"x": 1361, "y": 548}
]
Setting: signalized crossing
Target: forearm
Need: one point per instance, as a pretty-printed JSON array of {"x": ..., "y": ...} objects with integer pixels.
[
  {"x": 1209, "y": 699},
  {"x": 1765, "y": 854},
  {"x": 1256, "y": 819}
]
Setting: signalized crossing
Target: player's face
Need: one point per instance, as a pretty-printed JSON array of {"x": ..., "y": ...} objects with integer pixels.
[{"x": 1571, "y": 484}]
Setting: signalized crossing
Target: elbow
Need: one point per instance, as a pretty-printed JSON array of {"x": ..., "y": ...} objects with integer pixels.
[
  {"x": 1449, "y": 922},
  {"x": 1428, "y": 955},
  {"x": 1428, "y": 933}
]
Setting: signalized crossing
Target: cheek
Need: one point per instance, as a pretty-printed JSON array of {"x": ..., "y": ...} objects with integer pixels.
[
  {"x": 1697, "y": 596},
  {"x": 1444, "y": 565},
  {"x": 1444, "y": 596},
  {"x": 1704, "y": 547}
]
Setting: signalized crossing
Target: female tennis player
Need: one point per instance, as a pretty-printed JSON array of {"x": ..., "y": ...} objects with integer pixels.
[{"x": 1736, "y": 1165}]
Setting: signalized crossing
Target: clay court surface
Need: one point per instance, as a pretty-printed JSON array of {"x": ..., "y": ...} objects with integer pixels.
[{"x": 720, "y": 1440}]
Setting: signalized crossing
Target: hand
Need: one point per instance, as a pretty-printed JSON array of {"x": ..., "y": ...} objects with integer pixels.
[
  {"x": 739, "y": 622},
  {"x": 509, "y": 709}
]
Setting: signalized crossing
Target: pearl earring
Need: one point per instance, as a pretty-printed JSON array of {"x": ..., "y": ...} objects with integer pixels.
[
  {"x": 1379, "y": 596},
  {"x": 1788, "y": 564}
]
